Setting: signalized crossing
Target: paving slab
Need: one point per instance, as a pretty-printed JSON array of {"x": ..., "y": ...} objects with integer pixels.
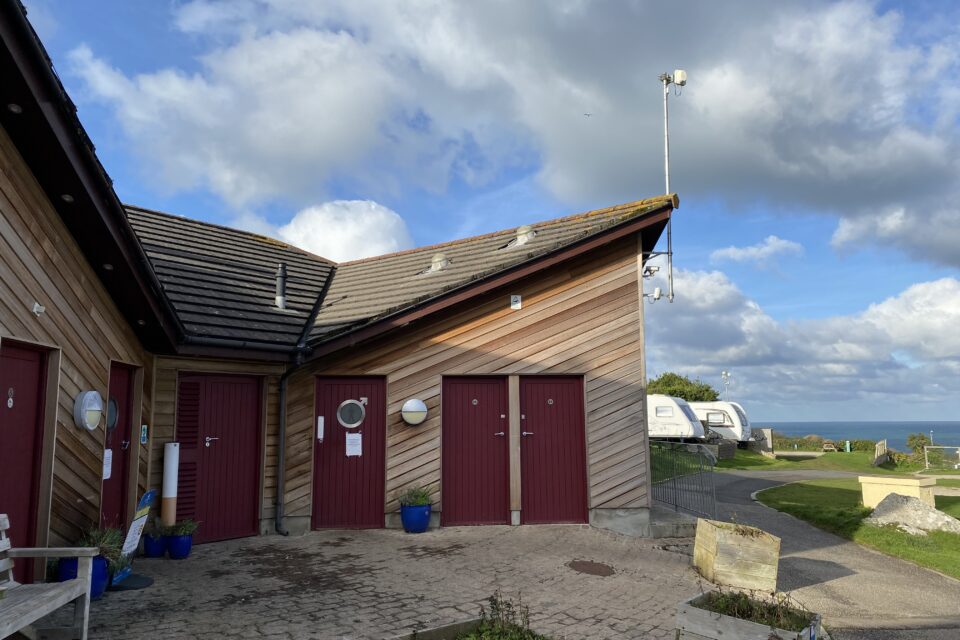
[{"x": 381, "y": 583}]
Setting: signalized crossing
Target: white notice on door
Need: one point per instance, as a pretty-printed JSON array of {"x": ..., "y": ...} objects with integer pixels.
[
  {"x": 354, "y": 444},
  {"x": 107, "y": 463}
]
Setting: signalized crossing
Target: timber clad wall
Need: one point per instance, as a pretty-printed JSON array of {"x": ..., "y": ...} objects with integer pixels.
[
  {"x": 40, "y": 262},
  {"x": 578, "y": 318}
]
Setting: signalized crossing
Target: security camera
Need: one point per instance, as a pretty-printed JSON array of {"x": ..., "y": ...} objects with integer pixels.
[{"x": 657, "y": 293}]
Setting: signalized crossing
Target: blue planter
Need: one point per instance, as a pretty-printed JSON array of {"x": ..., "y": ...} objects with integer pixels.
[
  {"x": 179, "y": 546},
  {"x": 154, "y": 547},
  {"x": 415, "y": 519},
  {"x": 67, "y": 570}
]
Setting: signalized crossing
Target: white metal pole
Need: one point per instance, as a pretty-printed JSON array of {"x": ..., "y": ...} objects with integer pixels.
[{"x": 666, "y": 79}]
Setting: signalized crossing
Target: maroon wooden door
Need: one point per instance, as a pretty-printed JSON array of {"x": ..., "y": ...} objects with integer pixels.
[
  {"x": 113, "y": 502},
  {"x": 22, "y": 382},
  {"x": 553, "y": 460},
  {"x": 218, "y": 427},
  {"x": 348, "y": 491},
  {"x": 475, "y": 482}
]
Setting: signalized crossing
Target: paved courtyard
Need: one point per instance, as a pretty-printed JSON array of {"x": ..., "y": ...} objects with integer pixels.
[{"x": 379, "y": 583}]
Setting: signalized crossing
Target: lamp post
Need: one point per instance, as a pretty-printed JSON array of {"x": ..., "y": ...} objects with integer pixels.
[
  {"x": 679, "y": 78},
  {"x": 725, "y": 377}
]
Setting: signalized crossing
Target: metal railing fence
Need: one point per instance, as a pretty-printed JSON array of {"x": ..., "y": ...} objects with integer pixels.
[{"x": 682, "y": 477}]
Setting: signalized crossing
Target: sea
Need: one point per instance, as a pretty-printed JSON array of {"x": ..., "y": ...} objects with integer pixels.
[{"x": 945, "y": 433}]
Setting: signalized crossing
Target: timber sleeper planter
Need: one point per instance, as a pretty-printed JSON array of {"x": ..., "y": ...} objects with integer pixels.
[
  {"x": 735, "y": 555},
  {"x": 697, "y": 618}
]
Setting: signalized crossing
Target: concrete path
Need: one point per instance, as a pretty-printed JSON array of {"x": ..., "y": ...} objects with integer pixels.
[
  {"x": 379, "y": 583},
  {"x": 862, "y": 593}
]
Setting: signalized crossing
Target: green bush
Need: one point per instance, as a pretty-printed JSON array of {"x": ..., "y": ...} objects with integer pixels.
[
  {"x": 678, "y": 386},
  {"x": 917, "y": 441},
  {"x": 110, "y": 543},
  {"x": 414, "y": 496},
  {"x": 182, "y": 528},
  {"x": 503, "y": 621}
]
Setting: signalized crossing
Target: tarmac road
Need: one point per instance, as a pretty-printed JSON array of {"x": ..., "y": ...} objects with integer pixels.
[{"x": 861, "y": 593}]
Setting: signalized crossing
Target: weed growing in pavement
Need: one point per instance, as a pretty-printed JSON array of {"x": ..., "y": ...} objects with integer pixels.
[{"x": 503, "y": 621}]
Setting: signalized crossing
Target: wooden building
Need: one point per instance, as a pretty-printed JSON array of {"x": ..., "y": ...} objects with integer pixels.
[{"x": 263, "y": 360}]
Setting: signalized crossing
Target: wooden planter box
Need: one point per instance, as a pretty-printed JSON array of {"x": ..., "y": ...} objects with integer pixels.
[
  {"x": 445, "y": 632},
  {"x": 694, "y": 623},
  {"x": 735, "y": 555}
]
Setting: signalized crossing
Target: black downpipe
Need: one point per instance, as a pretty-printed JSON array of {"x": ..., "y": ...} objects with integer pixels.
[{"x": 298, "y": 359}]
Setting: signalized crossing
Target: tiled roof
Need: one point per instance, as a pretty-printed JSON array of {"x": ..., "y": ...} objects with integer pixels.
[
  {"x": 222, "y": 282},
  {"x": 373, "y": 288}
]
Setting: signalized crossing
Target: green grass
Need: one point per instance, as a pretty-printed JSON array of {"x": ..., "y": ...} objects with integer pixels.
[
  {"x": 941, "y": 472},
  {"x": 856, "y": 461},
  {"x": 943, "y": 482},
  {"x": 834, "y": 505}
]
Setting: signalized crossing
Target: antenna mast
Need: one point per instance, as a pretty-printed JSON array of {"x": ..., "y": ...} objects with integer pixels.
[{"x": 679, "y": 78}]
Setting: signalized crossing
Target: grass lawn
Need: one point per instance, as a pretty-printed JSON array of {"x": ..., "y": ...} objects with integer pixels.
[
  {"x": 834, "y": 505},
  {"x": 943, "y": 482},
  {"x": 858, "y": 461},
  {"x": 942, "y": 472}
]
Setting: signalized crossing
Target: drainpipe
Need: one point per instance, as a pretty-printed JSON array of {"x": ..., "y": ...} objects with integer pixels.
[{"x": 298, "y": 360}]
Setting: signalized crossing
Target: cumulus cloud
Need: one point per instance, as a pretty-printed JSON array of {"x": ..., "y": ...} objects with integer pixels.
[
  {"x": 900, "y": 351},
  {"x": 341, "y": 230},
  {"x": 761, "y": 253},
  {"x": 830, "y": 106}
]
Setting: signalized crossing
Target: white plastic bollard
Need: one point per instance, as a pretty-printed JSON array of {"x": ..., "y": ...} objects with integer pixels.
[{"x": 171, "y": 469}]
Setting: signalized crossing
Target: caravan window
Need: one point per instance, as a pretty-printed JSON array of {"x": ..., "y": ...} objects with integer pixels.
[
  {"x": 742, "y": 415},
  {"x": 665, "y": 412},
  {"x": 687, "y": 411},
  {"x": 716, "y": 417}
]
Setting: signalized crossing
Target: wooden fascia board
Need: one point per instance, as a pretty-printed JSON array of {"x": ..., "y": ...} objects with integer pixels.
[{"x": 486, "y": 285}]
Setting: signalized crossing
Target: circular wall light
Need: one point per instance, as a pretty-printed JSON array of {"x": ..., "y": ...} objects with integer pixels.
[
  {"x": 414, "y": 411},
  {"x": 87, "y": 410},
  {"x": 13, "y": 107},
  {"x": 66, "y": 197}
]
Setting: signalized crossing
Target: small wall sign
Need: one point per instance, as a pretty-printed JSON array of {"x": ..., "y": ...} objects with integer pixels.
[
  {"x": 516, "y": 302},
  {"x": 107, "y": 463},
  {"x": 144, "y": 434},
  {"x": 354, "y": 444}
]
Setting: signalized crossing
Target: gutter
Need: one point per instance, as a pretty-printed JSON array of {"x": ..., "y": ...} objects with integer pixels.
[{"x": 299, "y": 359}]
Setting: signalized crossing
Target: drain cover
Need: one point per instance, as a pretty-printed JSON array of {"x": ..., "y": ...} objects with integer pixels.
[{"x": 591, "y": 568}]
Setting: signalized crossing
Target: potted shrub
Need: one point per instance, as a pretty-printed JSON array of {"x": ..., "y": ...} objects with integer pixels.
[
  {"x": 179, "y": 538},
  {"x": 415, "y": 506},
  {"x": 154, "y": 543},
  {"x": 720, "y": 615},
  {"x": 110, "y": 542}
]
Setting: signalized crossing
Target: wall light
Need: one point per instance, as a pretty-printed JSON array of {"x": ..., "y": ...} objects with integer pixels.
[
  {"x": 88, "y": 409},
  {"x": 414, "y": 411}
]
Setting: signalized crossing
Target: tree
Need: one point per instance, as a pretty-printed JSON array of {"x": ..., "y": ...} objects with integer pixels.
[
  {"x": 917, "y": 441},
  {"x": 674, "y": 384}
]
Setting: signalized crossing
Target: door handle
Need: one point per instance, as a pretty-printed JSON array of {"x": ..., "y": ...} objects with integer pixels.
[
  {"x": 526, "y": 433},
  {"x": 499, "y": 433},
  {"x": 209, "y": 440}
]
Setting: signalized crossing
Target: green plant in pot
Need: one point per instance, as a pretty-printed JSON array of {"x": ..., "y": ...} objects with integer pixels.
[
  {"x": 415, "y": 506},
  {"x": 179, "y": 537},
  {"x": 110, "y": 543},
  {"x": 154, "y": 542}
]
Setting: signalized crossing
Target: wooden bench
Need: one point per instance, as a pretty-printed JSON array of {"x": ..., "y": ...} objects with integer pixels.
[{"x": 23, "y": 604}]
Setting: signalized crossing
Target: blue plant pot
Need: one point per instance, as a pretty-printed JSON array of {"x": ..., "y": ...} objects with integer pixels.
[
  {"x": 179, "y": 546},
  {"x": 415, "y": 519},
  {"x": 154, "y": 547},
  {"x": 67, "y": 570}
]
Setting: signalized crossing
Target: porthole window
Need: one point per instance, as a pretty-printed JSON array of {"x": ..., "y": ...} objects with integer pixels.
[
  {"x": 113, "y": 413},
  {"x": 350, "y": 413}
]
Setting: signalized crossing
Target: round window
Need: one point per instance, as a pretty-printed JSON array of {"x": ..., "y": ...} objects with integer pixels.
[
  {"x": 113, "y": 412},
  {"x": 350, "y": 413}
]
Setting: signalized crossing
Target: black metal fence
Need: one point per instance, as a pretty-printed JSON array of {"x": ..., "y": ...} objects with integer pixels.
[{"x": 682, "y": 477}]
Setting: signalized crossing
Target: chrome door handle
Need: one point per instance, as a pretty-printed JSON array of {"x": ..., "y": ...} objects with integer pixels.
[
  {"x": 209, "y": 440},
  {"x": 526, "y": 433},
  {"x": 499, "y": 433}
]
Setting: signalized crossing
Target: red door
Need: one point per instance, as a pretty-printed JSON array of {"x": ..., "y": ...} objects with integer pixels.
[
  {"x": 22, "y": 382},
  {"x": 348, "y": 489},
  {"x": 476, "y": 455},
  {"x": 113, "y": 504},
  {"x": 218, "y": 427},
  {"x": 553, "y": 459}
]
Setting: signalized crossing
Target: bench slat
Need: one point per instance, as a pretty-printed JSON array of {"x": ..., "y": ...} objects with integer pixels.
[
  {"x": 4, "y": 544},
  {"x": 30, "y": 602},
  {"x": 4, "y": 522},
  {"x": 5, "y": 564}
]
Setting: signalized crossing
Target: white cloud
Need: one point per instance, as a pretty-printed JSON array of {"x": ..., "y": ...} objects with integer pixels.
[
  {"x": 762, "y": 252},
  {"x": 833, "y": 106},
  {"x": 340, "y": 230},
  {"x": 899, "y": 351}
]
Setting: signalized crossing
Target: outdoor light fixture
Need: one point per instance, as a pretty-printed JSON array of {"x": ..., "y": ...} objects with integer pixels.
[
  {"x": 414, "y": 411},
  {"x": 66, "y": 197},
  {"x": 87, "y": 410},
  {"x": 13, "y": 107}
]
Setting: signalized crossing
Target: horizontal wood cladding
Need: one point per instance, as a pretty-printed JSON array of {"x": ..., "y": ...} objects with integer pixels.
[
  {"x": 578, "y": 318},
  {"x": 165, "y": 407},
  {"x": 40, "y": 262}
]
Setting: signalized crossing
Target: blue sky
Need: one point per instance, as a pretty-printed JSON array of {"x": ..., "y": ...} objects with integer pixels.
[{"x": 814, "y": 149}]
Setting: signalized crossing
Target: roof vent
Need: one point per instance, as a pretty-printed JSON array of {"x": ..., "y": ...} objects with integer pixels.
[
  {"x": 281, "y": 298},
  {"x": 439, "y": 262},
  {"x": 525, "y": 234}
]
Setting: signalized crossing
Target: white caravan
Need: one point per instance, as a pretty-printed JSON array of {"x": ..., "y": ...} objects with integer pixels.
[
  {"x": 726, "y": 419},
  {"x": 669, "y": 417}
]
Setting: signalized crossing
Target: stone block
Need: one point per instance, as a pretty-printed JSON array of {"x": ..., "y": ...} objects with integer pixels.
[{"x": 876, "y": 488}]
